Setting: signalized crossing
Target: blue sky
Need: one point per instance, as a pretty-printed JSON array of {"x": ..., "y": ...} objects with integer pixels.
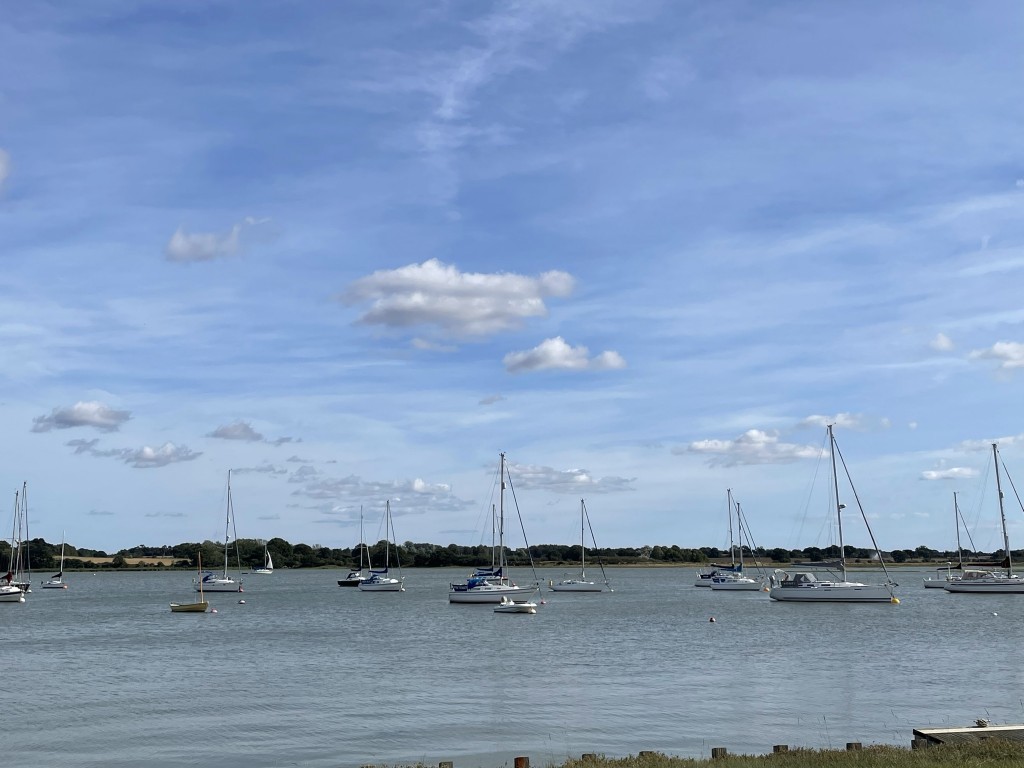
[{"x": 352, "y": 251}]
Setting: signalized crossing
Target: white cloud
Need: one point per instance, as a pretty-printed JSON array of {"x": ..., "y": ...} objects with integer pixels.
[
  {"x": 557, "y": 354},
  {"x": 491, "y": 400},
  {"x": 912, "y": 425},
  {"x": 145, "y": 457},
  {"x": 952, "y": 473},
  {"x": 1009, "y": 353},
  {"x": 202, "y": 246},
  {"x": 526, "y": 476},
  {"x": 841, "y": 420},
  {"x": 985, "y": 444},
  {"x": 82, "y": 414},
  {"x": 941, "y": 343},
  {"x": 752, "y": 447},
  {"x": 456, "y": 303},
  {"x": 5, "y": 166}
]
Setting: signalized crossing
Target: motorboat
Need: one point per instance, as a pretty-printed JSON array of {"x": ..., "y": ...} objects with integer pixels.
[{"x": 508, "y": 605}]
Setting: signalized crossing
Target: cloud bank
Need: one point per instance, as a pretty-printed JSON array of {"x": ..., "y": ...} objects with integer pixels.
[
  {"x": 82, "y": 414},
  {"x": 556, "y": 354}
]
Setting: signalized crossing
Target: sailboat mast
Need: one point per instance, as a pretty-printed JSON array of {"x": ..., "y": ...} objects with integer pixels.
[
  {"x": 732, "y": 544},
  {"x": 739, "y": 532},
  {"x": 839, "y": 507},
  {"x": 956, "y": 521},
  {"x": 1002, "y": 514},
  {"x": 501, "y": 520},
  {"x": 227, "y": 526},
  {"x": 583, "y": 545}
]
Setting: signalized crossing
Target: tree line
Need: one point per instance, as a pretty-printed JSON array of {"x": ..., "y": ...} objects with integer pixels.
[{"x": 42, "y": 555}]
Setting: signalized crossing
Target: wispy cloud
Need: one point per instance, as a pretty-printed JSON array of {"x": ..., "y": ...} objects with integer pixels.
[
  {"x": 145, "y": 457},
  {"x": 82, "y": 414},
  {"x": 985, "y": 443},
  {"x": 202, "y": 246},
  {"x": 491, "y": 400},
  {"x": 941, "y": 343},
  {"x": 262, "y": 469},
  {"x": 951, "y": 473},
  {"x": 243, "y": 431},
  {"x": 455, "y": 303},
  {"x": 552, "y": 354},
  {"x": 1010, "y": 354},
  {"x": 752, "y": 447},
  {"x": 841, "y": 420}
]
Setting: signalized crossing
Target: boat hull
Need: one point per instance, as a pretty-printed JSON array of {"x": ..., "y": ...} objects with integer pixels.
[
  {"x": 11, "y": 595},
  {"x": 834, "y": 592},
  {"x": 199, "y": 607},
  {"x": 737, "y": 585},
  {"x": 220, "y": 585},
  {"x": 54, "y": 585},
  {"x": 515, "y": 606},
  {"x": 936, "y": 583},
  {"x": 574, "y": 585},
  {"x": 262, "y": 571},
  {"x": 487, "y": 593},
  {"x": 994, "y": 587},
  {"x": 383, "y": 585}
]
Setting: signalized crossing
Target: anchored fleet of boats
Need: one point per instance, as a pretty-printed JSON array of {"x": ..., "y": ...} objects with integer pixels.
[{"x": 492, "y": 584}]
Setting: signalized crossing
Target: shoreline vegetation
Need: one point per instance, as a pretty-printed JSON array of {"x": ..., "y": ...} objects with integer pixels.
[
  {"x": 987, "y": 752},
  {"x": 977, "y": 754},
  {"x": 43, "y": 555}
]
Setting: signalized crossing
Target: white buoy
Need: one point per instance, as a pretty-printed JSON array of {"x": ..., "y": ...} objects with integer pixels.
[
  {"x": 241, "y": 602},
  {"x": 213, "y": 610}
]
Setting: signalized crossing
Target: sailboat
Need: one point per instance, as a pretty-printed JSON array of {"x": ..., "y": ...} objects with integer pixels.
[
  {"x": 490, "y": 584},
  {"x": 804, "y": 586},
  {"x": 986, "y": 581},
  {"x": 581, "y": 584},
  {"x": 705, "y": 575},
  {"x": 735, "y": 580},
  {"x": 10, "y": 591},
  {"x": 940, "y": 583},
  {"x": 200, "y": 605},
  {"x": 380, "y": 580},
  {"x": 212, "y": 582},
  {"x": 57, "y": 580},
  {"x": 268, "y": 563},
  {"x": 355, "y": 578}
]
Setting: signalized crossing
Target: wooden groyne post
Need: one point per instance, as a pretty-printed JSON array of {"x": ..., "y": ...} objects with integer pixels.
[
  {"x": 522, "y": 761},
  {"x": 718, "y": 753}
]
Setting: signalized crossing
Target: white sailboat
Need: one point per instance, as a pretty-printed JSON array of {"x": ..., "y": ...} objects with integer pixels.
[
  {"x": 268, "y": 563},
  {"x": 212, "y": 582},
  {"x": 57, "y": 580},
  {"x": 735, "y": 580},
  {"x": 937, "y": 582},
  {"x": 581, "y": 584},
  {"x": 356, "y": 577},
  {"x": 491, "y": 584},
  {"x": 803, "y": 586},
  {"x": 991, "y": 581},
  {"x": 380, "y": 580},
  {"x": 705, "y": 575},
  {"x": 10, "y": 591}
]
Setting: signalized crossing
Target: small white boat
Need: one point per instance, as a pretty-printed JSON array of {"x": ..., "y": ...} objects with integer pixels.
[
  {"x": 581, "y": 584},
  {"x": 57, "y": 580},
  {"x": 731, "y": 581},
  {"x": 268, "y": 563},
  {"x": 381, "y": 581},
  {"x": 11, "y": 594},
  {"x": 508, "y": 605},
  {"x": 734, "y": 580}
]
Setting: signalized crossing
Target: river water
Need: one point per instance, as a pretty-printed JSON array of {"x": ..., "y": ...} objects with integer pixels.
[{"x": 306, "y": 673}]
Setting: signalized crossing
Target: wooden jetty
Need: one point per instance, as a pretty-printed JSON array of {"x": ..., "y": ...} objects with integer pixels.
[{"x": 932, "y": 737}]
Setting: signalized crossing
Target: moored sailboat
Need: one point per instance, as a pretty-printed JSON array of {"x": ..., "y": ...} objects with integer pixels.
[
  {"x": 735, "y": 580},
  {"x": 991, "y": 581},
  {"x": 581, "y": 584},
  {"x": 380, "y": 580},
  {"x": 490, "y": 584},
  {"x": 57, "y": 580},
  {"x": 803, "y": 586},
  {"x": 356, "y": 577},
  {"x": 268, "y": 563},
  {"x": 200, "y": 605},
  {"x": 212, "y": 582}
]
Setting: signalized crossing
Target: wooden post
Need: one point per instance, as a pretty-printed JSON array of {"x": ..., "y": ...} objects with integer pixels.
[
  {"x": 780, "y": 748},
  {"x": 852, "y": 746},
  {"x": 522, "y": 762},
  {"x": 588, "y": 756},
  {"x": 646, "y": 753},
  {"x": 446, "y": 764},
  {"x": 719, "y": 752}
]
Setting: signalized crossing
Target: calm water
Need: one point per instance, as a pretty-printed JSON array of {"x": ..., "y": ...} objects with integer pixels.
[{"x": 310, "y": 674}]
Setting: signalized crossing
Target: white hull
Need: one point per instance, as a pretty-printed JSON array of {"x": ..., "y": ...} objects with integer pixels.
[
  {"x": 220, "y": 585},
  {"x": 935, "y": 583},
  {"x": 487, "y": 593},
  {"x": 11, "y": 595},
  {"x": 262, "y": 571},
  {"x": 513, "y": 606},
  {"x": 381, "y": 585},
  {"x": 833, "y": 592},
  {"x": 575, "y": 585},
  {"x": 992, "y": 587},
  {"x": 54, "y": 585},
  {"x": 737, "y": 585}
]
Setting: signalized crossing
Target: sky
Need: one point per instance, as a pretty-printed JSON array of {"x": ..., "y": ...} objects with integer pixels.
[{"x": 352, "y": 252}]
